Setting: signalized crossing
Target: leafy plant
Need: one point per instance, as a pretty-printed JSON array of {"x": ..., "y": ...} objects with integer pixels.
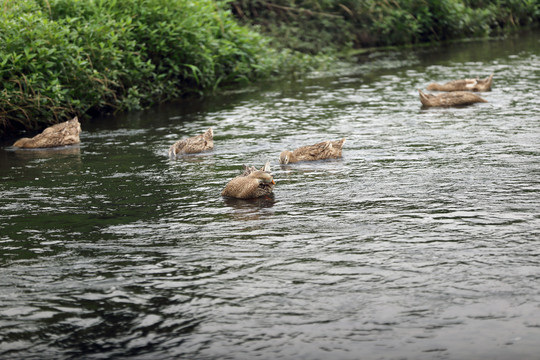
[
  {"x": 322, "y": 25},
  {"x": 60, "y": 58}
]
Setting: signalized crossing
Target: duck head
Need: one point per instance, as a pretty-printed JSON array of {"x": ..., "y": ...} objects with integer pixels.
[{"x": 285, "y": 157}]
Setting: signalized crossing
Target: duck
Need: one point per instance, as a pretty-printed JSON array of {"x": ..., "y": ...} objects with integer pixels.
[
  {"x": 61, "y": 134},
  {"x": 192, "y": 145},
  {"x": 454, "y": 98},
  {"x": 251, "y": 184},
  {"x": 464, "y": 85},
  {"x": 324, "y": 150}
]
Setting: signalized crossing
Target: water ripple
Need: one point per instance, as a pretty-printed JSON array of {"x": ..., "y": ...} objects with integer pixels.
[{"x": 421, "y": 242}]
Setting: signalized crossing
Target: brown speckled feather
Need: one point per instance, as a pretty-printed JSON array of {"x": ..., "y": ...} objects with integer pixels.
[
  {"x": 319, "y": 151},
  {"x": 252, "y": 183},
  {"x": 66, "y": 133},
  {"x": 455, "y": 98},
  {"x": 463, "y": 85},
  {"x": 193, "y": 144}
]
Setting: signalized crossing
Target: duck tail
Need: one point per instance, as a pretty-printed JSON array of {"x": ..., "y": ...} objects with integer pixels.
[
  {"x": 247, "y": 170},
  {"x": 266, "y": 167},
  {"x": 489, "y": 81},
  {"x": 423, "y": 98}
]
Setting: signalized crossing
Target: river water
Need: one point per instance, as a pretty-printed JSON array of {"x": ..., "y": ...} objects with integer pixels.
[{"x": 422, "y": 242}]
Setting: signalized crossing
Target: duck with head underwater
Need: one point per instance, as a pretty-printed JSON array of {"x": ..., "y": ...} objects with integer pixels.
[
  {"x": 454, "y": 98},
  {"x": 251, "y": 184},
  {"x": 62, "y": 134},
  {"x": 320, "y": 151},
  {"x": 463, "y": 85},
  {"x": 193, "y": 145}
]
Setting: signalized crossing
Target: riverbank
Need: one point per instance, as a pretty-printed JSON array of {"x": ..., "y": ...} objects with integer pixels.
[
  {"x": 64, "y": 58},
  {"x": 334, "y": 25},
  {"x": 71, "y": 57}
]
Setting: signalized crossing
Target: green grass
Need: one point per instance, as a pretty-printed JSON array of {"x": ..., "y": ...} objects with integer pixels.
[
  {"x": 315, "y": 26},
  {"x": 60, "y": 58}
]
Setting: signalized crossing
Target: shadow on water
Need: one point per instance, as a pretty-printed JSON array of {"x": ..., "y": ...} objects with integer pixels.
[
  {"x": 250, "y": 204},
  {"x": 31, "y": 154},
  {"x": 249, "y": 209}
]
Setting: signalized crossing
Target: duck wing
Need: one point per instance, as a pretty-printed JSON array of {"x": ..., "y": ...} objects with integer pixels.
[
  {"x": 317, "y": 150},
  {"x": 460, "y": 98},
  {"x": 241, "y": 187},
  {"x": 193, "y": 144}
]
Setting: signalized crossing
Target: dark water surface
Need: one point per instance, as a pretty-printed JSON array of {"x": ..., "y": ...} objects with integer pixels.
[{"x": 422, "y": 242}]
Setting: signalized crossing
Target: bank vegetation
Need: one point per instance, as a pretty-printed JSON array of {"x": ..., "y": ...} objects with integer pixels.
[
  {"x": 315, "y": 26},
  {"x": 60, "y": 58}
]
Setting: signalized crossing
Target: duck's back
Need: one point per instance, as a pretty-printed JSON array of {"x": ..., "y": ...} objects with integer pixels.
[
  {"x": 460, "y": 98},
  {"x": 62, "y": 134},
  {"x": 319, "y": 151},
  {"x": 455, "y": 98},
  {"x": 245, "y": 187},
  {"x": 193, "y": 144}
]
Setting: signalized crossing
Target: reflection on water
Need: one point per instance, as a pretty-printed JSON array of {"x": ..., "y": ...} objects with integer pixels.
[
  {"x": 250, "y": 209},
  {"x": 17, "y": 155},
  {"x": 250, "y": 204},
  {"x": 420, "y": 243},
  {"x": 46, "y": 152}
]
